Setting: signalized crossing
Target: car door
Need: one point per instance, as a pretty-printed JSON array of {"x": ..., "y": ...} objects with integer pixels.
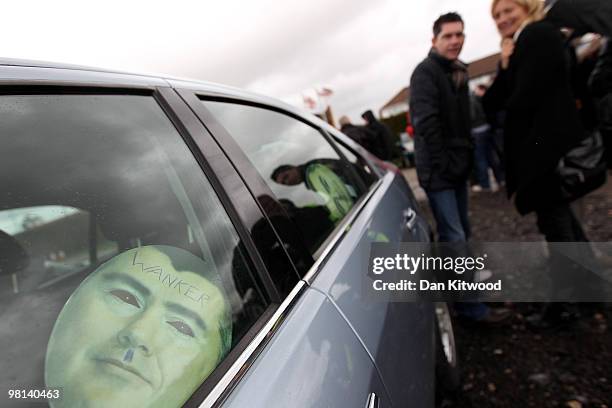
[{"x": 398, "y": 338}]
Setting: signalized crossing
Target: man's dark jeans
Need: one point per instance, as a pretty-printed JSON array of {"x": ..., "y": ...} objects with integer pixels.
[
  {"x": 450, "y": 209},
  {"x": 559, "y": 224}
]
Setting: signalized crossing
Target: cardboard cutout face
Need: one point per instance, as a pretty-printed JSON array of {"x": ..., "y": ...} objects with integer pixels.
[
  {"x": 138, "y": 332},
  {"x": 324, "y": 181}
]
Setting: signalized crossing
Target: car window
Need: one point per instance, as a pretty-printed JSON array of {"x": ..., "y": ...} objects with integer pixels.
[
  {"x": 123, "y": 281},
  {"x": 363, "y": 171},
  {"x": 316, "y": 187}
]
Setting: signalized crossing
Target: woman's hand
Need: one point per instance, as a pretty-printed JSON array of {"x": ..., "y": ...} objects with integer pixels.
[
  {"x": 589, "y": 50},
  {"x": 507, "y": 48}
]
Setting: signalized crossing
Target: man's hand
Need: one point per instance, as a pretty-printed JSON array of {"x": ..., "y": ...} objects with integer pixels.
[{"x": 507, "y": 48}]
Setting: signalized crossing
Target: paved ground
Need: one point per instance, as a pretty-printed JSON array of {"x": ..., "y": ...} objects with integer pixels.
[{"x": 515, "y": 366}]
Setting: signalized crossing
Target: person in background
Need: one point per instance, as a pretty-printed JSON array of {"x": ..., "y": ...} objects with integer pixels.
[
  {"x": 360, "y": 135},
  {"x": 485, "y": 154},
  {"x": 542, "y": 123},
  {"x": 440, "y": 108},
  {"x": 382, "y": 135}
]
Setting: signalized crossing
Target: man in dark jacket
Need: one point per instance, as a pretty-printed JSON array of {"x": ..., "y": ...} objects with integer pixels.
[
  {"x": 584, "y": 16},
  {"x": 440, "y": 109},
  {"x": 382, "y": 135},
  {"x": 360, "y": 135}
]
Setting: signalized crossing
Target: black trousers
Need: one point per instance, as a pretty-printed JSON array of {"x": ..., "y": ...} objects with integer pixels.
[{"x": 559, "y": 224}]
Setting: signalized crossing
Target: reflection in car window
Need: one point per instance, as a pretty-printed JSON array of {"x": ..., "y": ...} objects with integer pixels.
[
  {"x": 20, "y": 219},
  {"x": 316, "y": 187},
  {"x": 40, "y": 227},
  {"x": 364, "y": 172},
  {"x": 122, "y": 278}
]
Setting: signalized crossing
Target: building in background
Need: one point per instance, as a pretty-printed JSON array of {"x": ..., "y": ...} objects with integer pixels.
[
  {"x": 483, "y": 70},
  {"x": 397, "y": 105}
]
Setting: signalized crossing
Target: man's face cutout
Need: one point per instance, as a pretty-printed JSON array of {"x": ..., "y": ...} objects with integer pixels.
[{"x": 138, "y": 332}]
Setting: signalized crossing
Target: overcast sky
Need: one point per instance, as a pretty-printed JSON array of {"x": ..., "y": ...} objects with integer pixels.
[{"x": 364, "y": 50}]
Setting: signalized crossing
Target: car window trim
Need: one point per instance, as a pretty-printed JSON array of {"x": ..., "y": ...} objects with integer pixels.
[
  {"x": 236, "y": 372},
  {"x": 171, "y": 104},
  {"x": 72, "y": 88}
]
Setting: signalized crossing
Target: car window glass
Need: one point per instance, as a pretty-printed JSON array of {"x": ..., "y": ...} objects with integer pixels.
[
  {"x": 122, "y": 279},
  {"x": 316, "y": 187},
  {"x": 363, "y": 171}
]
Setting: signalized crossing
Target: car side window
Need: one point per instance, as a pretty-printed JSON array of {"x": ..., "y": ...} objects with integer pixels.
[
  {"x": 363, "y": 171},
  {"x": 316, "y": 187},
  {"x": 123, "y": 281}
]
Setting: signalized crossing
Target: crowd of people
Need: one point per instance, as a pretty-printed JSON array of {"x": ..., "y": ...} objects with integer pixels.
[{"x": 542, "y": 126}]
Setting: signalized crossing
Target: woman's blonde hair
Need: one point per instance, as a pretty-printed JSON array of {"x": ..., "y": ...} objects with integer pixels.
[{"x": 534, "y": 8}]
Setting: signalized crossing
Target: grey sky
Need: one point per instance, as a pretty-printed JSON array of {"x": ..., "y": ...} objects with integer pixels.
[{"x": 364, "y": 50}]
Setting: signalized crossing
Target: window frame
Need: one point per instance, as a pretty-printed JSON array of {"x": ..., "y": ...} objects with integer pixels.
[{"x": 212, "y": 163}]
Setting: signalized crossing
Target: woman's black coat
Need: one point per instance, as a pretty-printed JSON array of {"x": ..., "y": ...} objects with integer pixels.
[{"x": 542, "y": 121}]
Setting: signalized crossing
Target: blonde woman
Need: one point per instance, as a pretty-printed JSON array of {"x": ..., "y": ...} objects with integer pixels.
[
  {"x": 541, "y": 125},
  {"x": 542, "y": 121}
]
